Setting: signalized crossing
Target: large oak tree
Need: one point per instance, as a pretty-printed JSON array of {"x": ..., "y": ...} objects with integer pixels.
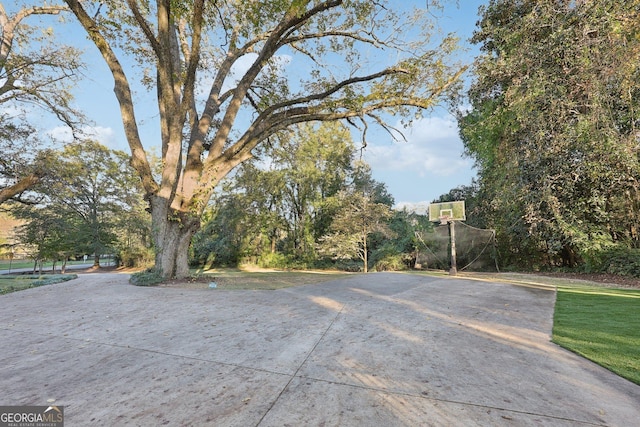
[{"x": 230, "y": 74}]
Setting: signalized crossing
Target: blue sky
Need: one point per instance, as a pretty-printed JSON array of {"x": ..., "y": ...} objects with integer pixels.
[
  {"x": 416, "y": 171},
  {"x": 430, "y": 162}
]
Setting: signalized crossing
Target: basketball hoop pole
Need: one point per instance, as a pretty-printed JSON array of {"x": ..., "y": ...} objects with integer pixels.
[
  {"x": 447, "y": 213},
  {"x": 452, "y": 240}
]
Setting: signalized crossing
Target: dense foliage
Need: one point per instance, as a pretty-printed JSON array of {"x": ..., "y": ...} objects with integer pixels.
[
  {"x": 92, "y": 207},
  {"x": 307, "y": 202},
  {"x": 553, "y": 127}
]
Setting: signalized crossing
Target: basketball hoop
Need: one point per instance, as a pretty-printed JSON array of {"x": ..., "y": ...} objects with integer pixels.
[{"x": 445, "y": 212}]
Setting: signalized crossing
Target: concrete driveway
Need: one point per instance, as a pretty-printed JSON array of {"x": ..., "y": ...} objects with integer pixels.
[{"x": 372, "y": 350}]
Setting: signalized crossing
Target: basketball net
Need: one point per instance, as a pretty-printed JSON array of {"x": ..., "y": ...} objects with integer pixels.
[{"x": 444, "y": 220}]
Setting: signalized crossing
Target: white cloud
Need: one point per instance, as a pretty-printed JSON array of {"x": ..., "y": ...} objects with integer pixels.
[
  {"x": 421, "y": 208},
  {"x": 433, "y": 147},
  {"x": 104, "y": 135}
]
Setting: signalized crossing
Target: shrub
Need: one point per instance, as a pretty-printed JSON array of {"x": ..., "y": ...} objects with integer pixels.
[
  {"x": 619, "y": 260},
  {"x": 283, "y": 262},
  {"x": 148, "y": 277},
  {"x": 274, "y": 260},
  {"x": 53, "y": 279},
  {"x": 390, "y": 258},
  {"x": 351, "y": 266},
  {"x": 391, "y": 262},
  {"x": 18, "y": 282},
  {"x": 623, "y": 261},
  {"x": 135, "y": 257}
]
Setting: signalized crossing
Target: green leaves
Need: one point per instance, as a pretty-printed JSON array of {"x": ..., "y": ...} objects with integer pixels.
[
  {"x": 550, "y": 128},
  {"x": 35, "y": 71},
  {"x": 233, "y": 75},
  {"x": 90, "y": 200}
]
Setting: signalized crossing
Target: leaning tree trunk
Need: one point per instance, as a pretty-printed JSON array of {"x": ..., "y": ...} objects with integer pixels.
[{"x": 172, "y": 232}]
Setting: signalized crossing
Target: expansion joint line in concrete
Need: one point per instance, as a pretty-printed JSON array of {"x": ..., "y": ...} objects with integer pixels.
[
  {"x": 295, "y": 374},
  {"x": 451, "y": 401},
  {"x": 145, "y": 350}
]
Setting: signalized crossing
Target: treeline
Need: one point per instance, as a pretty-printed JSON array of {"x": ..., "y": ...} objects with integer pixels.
[
  {"x": 306, "y": 201},
  {"x": 552, "y": 120},
  {"x": 87, "y": 203},
  {"x": 553, "y": 126}
]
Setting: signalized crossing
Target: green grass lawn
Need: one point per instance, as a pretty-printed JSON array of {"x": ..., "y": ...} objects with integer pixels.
[
  {"x": 11, "y": 283},
  {"x": 16, "y": 264},
  {"x": 602, "y": 325},
  {"x": 46, "y": 266}
]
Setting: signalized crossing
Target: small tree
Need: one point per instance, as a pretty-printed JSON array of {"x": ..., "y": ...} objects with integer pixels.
[
  {"x": 358, "y": 218},
  {"x": 97, "y": 187},
  {"x": 49, "y": 232}
]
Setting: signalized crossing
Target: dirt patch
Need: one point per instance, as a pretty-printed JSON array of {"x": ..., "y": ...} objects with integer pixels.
[
  {"x": 255, "y": 279},
  {"x": 603, "y": 279},
  {"x": 558, "y": 279},
  {"x": 198, "y": 282},
  {"x": 267, "y": 279}
]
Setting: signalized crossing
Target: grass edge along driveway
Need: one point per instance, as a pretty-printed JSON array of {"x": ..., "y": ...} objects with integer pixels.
[
  {"x": 599, "y": 323},
  {"x": 602, "y": 325},
  {"x": 17, "y": 282}
]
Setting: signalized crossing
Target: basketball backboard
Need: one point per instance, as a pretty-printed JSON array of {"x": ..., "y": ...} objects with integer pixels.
[{"x": 447, "y": 211}]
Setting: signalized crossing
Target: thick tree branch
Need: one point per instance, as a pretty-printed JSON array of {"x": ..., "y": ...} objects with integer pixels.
[
  {"x": 19, "y": 187},
  {"x": 9, "y": 25},
  {"x": 291, "y": 19},
  {"x": 145, "y": 27},
  {"x": 272, "y": 121},
  {"x": 123, "y": 94}
]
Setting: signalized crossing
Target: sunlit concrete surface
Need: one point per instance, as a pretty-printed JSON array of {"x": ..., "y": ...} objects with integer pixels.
[{"x": 380, "y": 349}]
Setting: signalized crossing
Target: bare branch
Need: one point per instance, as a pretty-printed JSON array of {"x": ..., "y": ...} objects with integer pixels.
[
  {"x": 9, "y": 25},
  {"x": 272, "y": 121},
  {"x": 337, "y": 87}
]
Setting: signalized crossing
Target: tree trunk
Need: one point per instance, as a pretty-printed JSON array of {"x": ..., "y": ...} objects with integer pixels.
[
  {"x": 365, "y": 256},
  {"x": 172, "y": 233}
]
